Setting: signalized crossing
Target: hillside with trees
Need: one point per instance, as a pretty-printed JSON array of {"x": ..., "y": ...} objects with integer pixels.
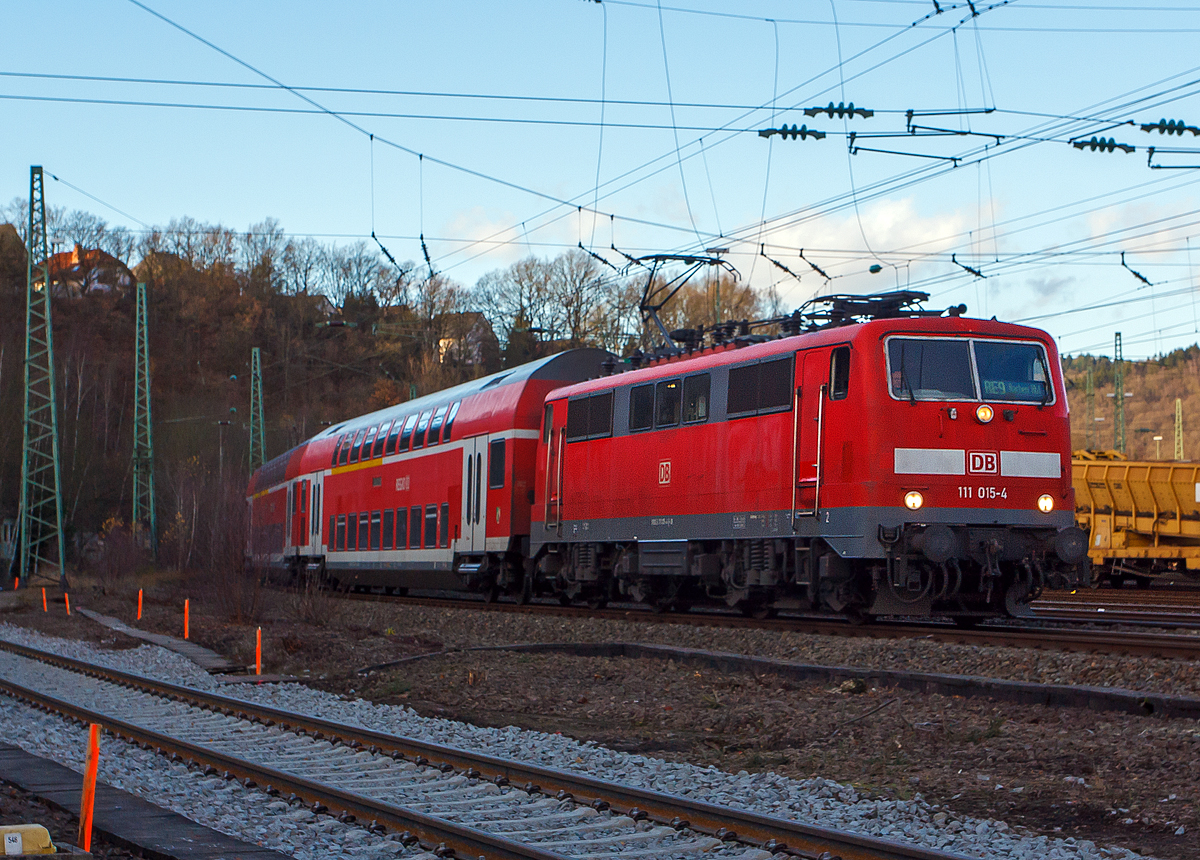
[{"x": 342, "y": 328}]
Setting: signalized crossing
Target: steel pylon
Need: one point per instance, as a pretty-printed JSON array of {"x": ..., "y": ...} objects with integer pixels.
[
  {"x": 40, "y": 517},
  {"x": 258, "y": 451},
  {"x": 145, "y": 521}
]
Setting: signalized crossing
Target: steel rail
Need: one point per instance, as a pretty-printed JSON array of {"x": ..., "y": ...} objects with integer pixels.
[
  {"x": 772, "y": 834},
  {"x": 436, "y": 833},
  {"x": 1008, "y": 635}
]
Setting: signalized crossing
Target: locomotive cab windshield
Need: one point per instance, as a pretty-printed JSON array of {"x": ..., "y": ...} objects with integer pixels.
[{"x": 922, "y": 368}]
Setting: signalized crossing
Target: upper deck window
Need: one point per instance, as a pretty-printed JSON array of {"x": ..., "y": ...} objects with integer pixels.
[
  {"x": 435, "y": 426},
  {"x": 406, "y": 435},
  {"x": 380, "y": 438},
  {"x": 450, "y": 420},
  {"x": 967, "y": 369},
  {"x": 419, "y": 437}
]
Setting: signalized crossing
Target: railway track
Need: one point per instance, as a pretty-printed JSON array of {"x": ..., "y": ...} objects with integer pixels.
[
  {"x": 1040, "y": 635},
  {"x": 451, "y": 801}
]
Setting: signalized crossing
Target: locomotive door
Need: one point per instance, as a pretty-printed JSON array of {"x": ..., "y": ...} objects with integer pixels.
[
  {"x": 812, "y": 382},
  {"x": 474, "y": 523}
]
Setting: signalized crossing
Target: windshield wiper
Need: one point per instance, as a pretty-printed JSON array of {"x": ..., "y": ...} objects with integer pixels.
[{"x": 904, "y": 383}]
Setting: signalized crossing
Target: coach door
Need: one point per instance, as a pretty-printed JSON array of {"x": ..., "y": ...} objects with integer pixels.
[
  {"x": 474, "y": 524},
  {"x": 809, "y": 416}
]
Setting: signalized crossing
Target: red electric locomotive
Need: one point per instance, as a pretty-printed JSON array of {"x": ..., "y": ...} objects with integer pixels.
[
  {"x": 884, "y": 460},
  {"x": 891, "y": 461}
]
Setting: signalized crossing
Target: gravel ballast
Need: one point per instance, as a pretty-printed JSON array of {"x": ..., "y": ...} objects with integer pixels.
[{"x": 817, "y": 801}]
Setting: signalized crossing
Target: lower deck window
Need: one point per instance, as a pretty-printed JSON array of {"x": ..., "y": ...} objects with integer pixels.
[
  {"x": 431, "y": 525},
  {"x": 414, "y": 527},
  {"x": 341, "y": 532},
  {"x": 375, "y": 522},
  {"x": 363, "y": 526},
  {"x": 389, "y": 526},
  {"x": 444, "y": 531},
  {"x": 332, "y": 531},
  {"x": 351, "y": 531},
  {"x": 401, "y": 528}
]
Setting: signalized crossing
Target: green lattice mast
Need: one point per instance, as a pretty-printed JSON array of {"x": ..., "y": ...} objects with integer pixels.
[
  {"x": 1091, "y": 409},
  {"x": 41, "y": 489},
  {"x": 145, "y": 521},
  {"x": 258, "y": 451}
]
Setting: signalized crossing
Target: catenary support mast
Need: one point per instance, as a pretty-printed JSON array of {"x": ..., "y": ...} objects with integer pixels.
[
  {"x": 40, "y": 515},
  {"x": 258, "y": 454},
  {"x": 145, "y": 522}
]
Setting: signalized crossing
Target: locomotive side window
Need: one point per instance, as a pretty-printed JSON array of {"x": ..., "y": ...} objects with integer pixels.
[
  {"x": 743, "y": 390},
  {"x": 380, "y": 438},
  {"x": 590, "y": 417},
  {"x": 760, "y": 388},
  {"x": 389, "y": 528},
  {"x": 695, "y": 398},
  {"x": 496, "y": 464},
  {"x": 839, "y": 373},
  {"x": 450, "y": 420},
  {"x": 666, "y": 409},
  {"x": 641, "y": 407},
  {"x": 414, "y": 527},
  {"x": 1011, "y": 371},
  {"x": 419, "y": 437},
  {"x": 430, "y": 526},
  {"x": 341, "y": 531},
  {"x": 401, "y": 528},
  {"x": 435, "y": 426},
  {"x": 600, "y": 414},
  {"x": 444, "y": 525},
  {"x": 577, "y": 418},
  {"x": 406, "y": 436},
  {"x": 393, "y": 436},
  {"x": 929, "y": 369},
  {"x": 547, "y": 423},
  {"x": 775, "y": 384}
]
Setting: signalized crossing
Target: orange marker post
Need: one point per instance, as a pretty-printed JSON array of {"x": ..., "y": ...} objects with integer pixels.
[
  {"x": 88, "y": 801},
  {"x": 139, "y": 618},
  {"x": 67, "y": 601},
  {"x": 16, "y": 583},
  {"x": 258, "y": 652},
  {"x": 45, "y": 608},
  {"x": 185, "y": 617}
]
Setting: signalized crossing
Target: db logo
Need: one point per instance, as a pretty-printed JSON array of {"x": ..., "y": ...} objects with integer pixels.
[
  {"x": 664, "y": 472},
  {"x": 982, "y": 462}
]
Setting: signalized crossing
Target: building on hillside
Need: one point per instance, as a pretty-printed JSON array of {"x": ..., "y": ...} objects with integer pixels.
[
  {"x": 469, "y": 340},
  {"x": 78, "y": 272}
]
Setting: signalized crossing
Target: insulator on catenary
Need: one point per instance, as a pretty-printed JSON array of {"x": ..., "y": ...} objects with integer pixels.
[
  {"x": 792, "y": 132},
  {"x": 1104, "y": 144},
  {"x": 1170, "y": 126},
  {"x": 841, "y": 109}
]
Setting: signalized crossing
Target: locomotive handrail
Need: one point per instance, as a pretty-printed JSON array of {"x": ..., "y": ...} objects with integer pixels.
[
  {"x": 820, "y": 446},
  {"x": 795, "y": 452},
  {"x": 562, "y": 435}
]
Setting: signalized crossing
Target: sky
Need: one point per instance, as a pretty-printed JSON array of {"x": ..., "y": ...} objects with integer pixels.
[{"x": 502, "y": 130}]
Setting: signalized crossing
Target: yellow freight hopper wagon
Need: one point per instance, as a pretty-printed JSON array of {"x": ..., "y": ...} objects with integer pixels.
[{"x": 1142, "y": 516}]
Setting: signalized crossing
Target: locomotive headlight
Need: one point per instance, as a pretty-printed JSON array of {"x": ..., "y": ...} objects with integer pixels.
[
  {"x": 1045, "y": 503},
  {"x": 913, "y": 500},
  {"x": 984, "y": 413}
]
